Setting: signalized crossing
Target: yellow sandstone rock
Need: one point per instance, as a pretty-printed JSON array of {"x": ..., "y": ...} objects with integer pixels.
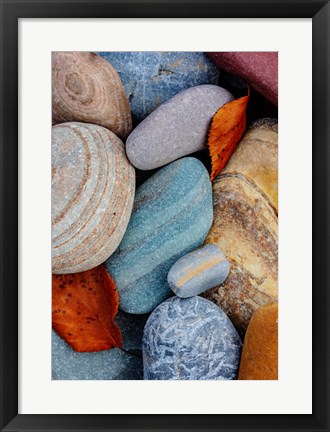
[
  {"x": 260, "y": 350},
  {"x": 245, "y": 224}
]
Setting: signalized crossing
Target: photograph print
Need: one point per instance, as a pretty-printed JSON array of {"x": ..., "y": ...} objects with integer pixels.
[{"x": 164, "y": 215}]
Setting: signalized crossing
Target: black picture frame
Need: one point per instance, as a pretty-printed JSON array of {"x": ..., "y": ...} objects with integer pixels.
[{"x": 11, "y": 12}]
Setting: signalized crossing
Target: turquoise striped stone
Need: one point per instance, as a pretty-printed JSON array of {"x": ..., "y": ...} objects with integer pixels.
[{"x": 171, "y": 216}]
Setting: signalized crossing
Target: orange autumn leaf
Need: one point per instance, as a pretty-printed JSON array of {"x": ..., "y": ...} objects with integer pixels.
[
  {"x": 227, "y": 128},
  {"x": 83, "y": 309}
]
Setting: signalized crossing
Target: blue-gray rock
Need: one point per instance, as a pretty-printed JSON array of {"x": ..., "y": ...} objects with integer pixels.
[
  {"x": 177, "y": 128},
  {"x": 190, "y": 339},
  {"x": 172, "y": 214},
  {"x": 113, "y": 364},
  {"x": 198, "y": 271},
  {"x": 151, "y": 78}
]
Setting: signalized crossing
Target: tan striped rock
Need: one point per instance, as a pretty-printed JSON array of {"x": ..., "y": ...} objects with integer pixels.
[
  {"x": 93, "y": 187},
  {"x": 86, "y": 88},
  {"x": 245, "y": 225}
]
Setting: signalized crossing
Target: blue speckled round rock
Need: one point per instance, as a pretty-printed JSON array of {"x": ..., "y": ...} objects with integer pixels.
[
  {"x": 179, "y": 127},
  {"x": 113, "y": 364},
  {"x": 151, "y": 78},
  {"x": 172, "y": 214},
  {"x": 190, "y": 339},
  {"x": 198, "y": 271}
]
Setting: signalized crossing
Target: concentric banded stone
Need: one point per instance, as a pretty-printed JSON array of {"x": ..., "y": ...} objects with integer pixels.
[
  {"x": 86, "y": 88},
  {"x": 93, "y": 187}
]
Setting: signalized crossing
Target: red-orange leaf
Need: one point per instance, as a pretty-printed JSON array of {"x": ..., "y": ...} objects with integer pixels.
[
  {"x": 227, "y": 128},
  {"x": 83, "y": 309}
]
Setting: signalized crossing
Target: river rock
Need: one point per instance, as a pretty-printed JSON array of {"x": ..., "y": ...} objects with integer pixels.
[
  {"x": 260, "y": 350},
  {"x": 86, "y": 88},
  {"x": 172, "y": 215},
  {"x": 190, "y": 339},
  {"x": 113, "y": 364},
  {"x": 245, "y": 225},
  {"x": 259, "y": 69},
  {"x": 151, "y": 78},
  {"x": 93, "y": 187},
  {"x": 198, "y": 271},
  {"x": 177, "y": 128}
]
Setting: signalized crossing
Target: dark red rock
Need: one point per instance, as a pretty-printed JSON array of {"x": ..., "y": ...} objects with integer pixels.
[{"x": 258, "y": 69}]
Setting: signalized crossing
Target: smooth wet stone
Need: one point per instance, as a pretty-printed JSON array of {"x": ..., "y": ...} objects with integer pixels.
[
  {"x": 171, "y": 216},
  {"x": 198, "y": 271},
  {"x": 177, "y": 128},
  {"x": 151, "y": 78},
  {"x": 190, "y": 339},
  {"x": 93, "y": 187},
  {"x": 113, "y": 364},
  {"x": 259, "y": 69}
]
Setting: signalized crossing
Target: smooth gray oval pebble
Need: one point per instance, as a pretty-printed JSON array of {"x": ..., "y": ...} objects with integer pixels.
[
  {"x": 190, "y": 339},
  {"x": 176, "y": 128},
  {"x": 198, "y": 271}
]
